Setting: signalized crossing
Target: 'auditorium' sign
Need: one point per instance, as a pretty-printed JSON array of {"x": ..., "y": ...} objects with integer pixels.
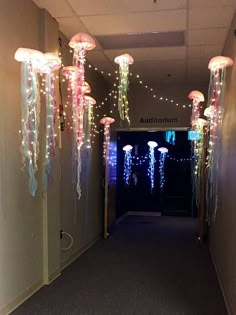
[{"x": 158, "y": 120}]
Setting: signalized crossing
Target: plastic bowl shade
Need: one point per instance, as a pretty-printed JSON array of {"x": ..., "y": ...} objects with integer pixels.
[
  {"x": 196, "y": 94},
  {"x": 89, "y": 100},
  {"x": 83, "y": 39},
  {"x": 51, "y": 63},
  {"x": 107, "y": 120},
  {"x": 163, "y": 150},
  {"x": 127, "y": 148},
  {"x": 125, "y": 57},
  {"x": 152, "y": 144},
  {"x": 220, "y": 62},
  {"x": 86, "y": 88},
  {"x": 24, "y": 54},
  {"x": 209, "y": 111}
]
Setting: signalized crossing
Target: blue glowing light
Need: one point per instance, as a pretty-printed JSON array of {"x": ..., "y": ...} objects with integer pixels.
[
  {"x": 194, "y": 135},
  {"x": 127, "y": 163},
  {"x": 163, "y": 152},
  {"x": 170, "y": 137},
  {"x": 151, "y": 170}
]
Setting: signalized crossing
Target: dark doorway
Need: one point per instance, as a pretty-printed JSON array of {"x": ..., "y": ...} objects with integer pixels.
[{"x": 176, "y": 197}]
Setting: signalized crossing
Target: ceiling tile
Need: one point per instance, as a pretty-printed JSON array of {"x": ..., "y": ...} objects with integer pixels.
[
  {"x": 204, "y": 52},
  {"x": 210, "y": 3},
  {"x": 139, "y": 22},
  {"x": 208, "y": 18},
  {"x": 158, "y": 71},
  {"x": 70, "y": 26},
  {"x": 95, "y": 7},
  {"x": 146, "y": 54},
  {"x": 212, "y": 36},
  {"x": 198, "y": 70},
  {"x": 57, "y": 8}
]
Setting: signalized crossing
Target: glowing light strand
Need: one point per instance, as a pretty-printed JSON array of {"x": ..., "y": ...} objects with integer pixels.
[
  {"x": 30, "y": 113},
  {"x": 163, "y": 153},
  {"x": 151, "y": 170},
  {"x": 127, "y": 163}
]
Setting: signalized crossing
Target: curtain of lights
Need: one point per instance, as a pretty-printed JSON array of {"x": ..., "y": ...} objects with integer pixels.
[
  {"x": 127, "y": 163},
  {"x": 214, "y": 112},
  {"x": 123, "y": 105},
  {"x": 30, "y": 114},
  {"x": 151, "y": 170},
  {"x": 80, "y": 43},
  {"x": 163, "y": 152}
]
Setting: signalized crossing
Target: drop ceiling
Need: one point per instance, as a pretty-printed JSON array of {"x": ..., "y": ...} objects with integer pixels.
[{"x": 203, "y": 24}]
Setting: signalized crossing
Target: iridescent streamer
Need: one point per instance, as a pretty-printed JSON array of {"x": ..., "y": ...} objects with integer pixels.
[
  {"x": 30, "y": 121},
  {"x": 123, "y": 105}
]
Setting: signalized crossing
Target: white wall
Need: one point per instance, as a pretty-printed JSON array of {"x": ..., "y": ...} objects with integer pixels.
[
  {"x": 142, "y": 104},
  {"x": 20, "y": 214},
  {"x": 30, "y": 252},
  {"x": 223, "y": 230},
  {"x": 82, "y": 218}
]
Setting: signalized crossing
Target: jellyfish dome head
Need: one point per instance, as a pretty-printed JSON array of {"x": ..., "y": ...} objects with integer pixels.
[
  {"x": 125, "y": 58},
  {"x": 82, "y": 40},
  {"x": 107, "y": 120},
  {"x": 200, "y": 122},
  {"x": 89, "y": 100},
  {"x": 152, "y": 144},
  {"x": 51, "y": 63},
  {"x": 196, "y": 95},
  {"x": 163, "y": 150},
  {"x": 209, "y": 111},
  {"x": 220, "y": 62},
  {"x": 24, "y": 54},
  {"x": 86, "y": 88},
  {"x": 127, "y": 148}
]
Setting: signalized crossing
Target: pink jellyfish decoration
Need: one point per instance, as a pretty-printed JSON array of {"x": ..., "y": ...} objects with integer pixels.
[
  {"x": 51, "y": 64},
  {"x": 197, "y": 97},
  {"x": 88, "y": 103},
  {"x": 217, "y": 67},
  {"x": 31, "y": 61},
  {"x": 123, "y": 105},
  {"x": 106, "y": 121}
]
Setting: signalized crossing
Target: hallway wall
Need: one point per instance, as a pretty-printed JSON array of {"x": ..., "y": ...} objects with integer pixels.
[
  {"x": 82, "y": 218},
  {"x": 223, "y": 230},
  {"x": 30, "y": 246},
  {"x": 21, "y": 238}
]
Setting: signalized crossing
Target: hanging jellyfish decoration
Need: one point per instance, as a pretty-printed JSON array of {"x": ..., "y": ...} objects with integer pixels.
[
  {"x": 163, "y": 152},
  {"x": 31, "y": 61},
  {"x": 199, "y": 126},
  {"x": 214, "y": 113},
  {"x": 197, "y": 97},
  {"x": 80, "y": 43},
  {"x": 106, "y": 121},
  {"x": 123, "y": 104},
  {"x": 50, "y": 65},
  {"x": 127, "y": 163},
  {"x": 151, "y": 170},
  {"x": 89, "y": 102},
  {"x": 170, "y": 137}
]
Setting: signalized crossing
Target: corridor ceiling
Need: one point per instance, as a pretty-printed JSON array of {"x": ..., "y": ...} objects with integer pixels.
[{"x": 170, "y": 40}]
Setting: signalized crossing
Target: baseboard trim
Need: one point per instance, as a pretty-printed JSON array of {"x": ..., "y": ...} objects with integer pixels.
[
  {"x": 145, "y": 213},
  {"x": 53, "y": 276},
  {"x": 221, "y": 283},
  {"x": 77, "y": 254},
  {"x": 9, "y": 308}
]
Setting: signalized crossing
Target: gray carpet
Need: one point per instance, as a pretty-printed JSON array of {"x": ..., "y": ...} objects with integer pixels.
[{"x": 149, "y": 266}]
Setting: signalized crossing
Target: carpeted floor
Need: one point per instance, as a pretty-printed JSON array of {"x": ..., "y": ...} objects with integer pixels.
[{"x": 149, "y": 266}]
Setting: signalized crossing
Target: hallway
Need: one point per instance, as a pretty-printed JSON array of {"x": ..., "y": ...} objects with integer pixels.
[{"x": 149, "y": 266}]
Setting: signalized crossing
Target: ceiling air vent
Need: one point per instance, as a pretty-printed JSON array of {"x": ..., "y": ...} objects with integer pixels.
[{"x": 142, "y": 40}]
